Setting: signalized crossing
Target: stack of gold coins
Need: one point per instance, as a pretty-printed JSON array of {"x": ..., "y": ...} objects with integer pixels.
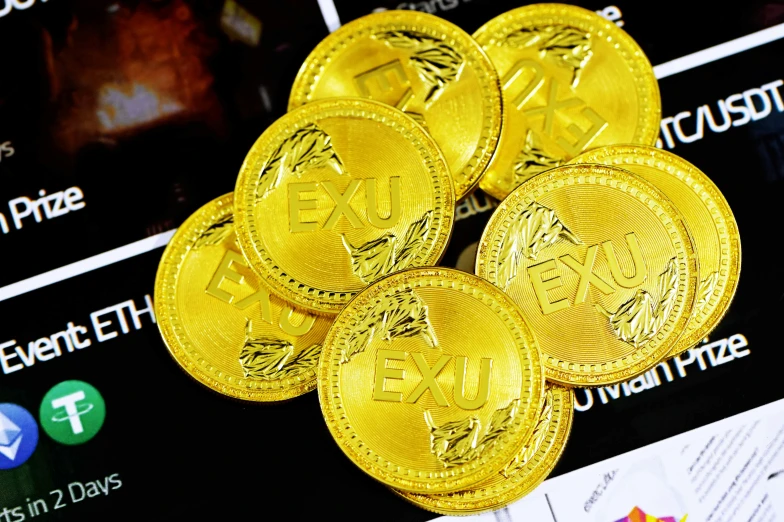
[{"x": 604, "y": 257}]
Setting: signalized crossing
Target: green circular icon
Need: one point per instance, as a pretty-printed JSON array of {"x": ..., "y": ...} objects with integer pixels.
[{"x": 72, "y": 412}]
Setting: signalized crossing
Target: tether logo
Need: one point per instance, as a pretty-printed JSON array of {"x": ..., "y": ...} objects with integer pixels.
[
  {"x": 18, "y": 435},
  {"x": 72, "y": 412}
]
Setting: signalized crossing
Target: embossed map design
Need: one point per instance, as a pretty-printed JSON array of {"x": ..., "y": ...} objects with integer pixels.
[
  {"x": 459, "y": 442},
  {"x": 307, "y": 148},
  {"x": 436, "y": 63},
  {"x": 535, "y": 228},
  {"x": 402, "y": 314},
  {"x": 640, "y": 318},
  {"x": 386, "y": 254},
  {"x": 532, "y": 160},
  {"x": 565, "y": 46},
  {"x": 270, "y": 359}
]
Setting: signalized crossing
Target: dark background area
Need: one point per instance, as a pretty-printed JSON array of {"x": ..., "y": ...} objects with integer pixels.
[{"x": 184, "y": 453}]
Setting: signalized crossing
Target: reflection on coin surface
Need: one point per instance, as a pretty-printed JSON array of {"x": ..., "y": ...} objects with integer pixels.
[
  {"x": 708, "y": 217},
  {"x": 337, "y": 194},
  {"x": 602, "y": 266},
  {"x": 571, "y": 80},
  {"x": 222, "y": 325},
  {"x": 431, "y": 380},
  {"x": 529, "y": 467},
  {"x": 423, "y": 65}
]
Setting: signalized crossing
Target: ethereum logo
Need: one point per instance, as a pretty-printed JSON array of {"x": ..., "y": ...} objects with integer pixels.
[{"x": 10, "y": 437}]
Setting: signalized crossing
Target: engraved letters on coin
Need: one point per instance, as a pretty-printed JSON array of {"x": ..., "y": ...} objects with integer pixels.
[
  {"x": 431, "y": 380},
  {"x": 571, "y": 81},
  {"x": 337, "y": 194},
  {"x": 601, "y": 264},
  {"x": 423, "y": 65},
  {"x": 224, "y": 327}
]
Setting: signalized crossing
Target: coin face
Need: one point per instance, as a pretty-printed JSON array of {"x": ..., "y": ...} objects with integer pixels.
[
  {"x": 423, "y": 65},
  {"x": 708, "y": 217},
  {"x": 221, "y": 325},
  {"x": 602, "y": 266},
  {"x": 339, "y": 193},
  {"x": 571, "y": 80},
  {"x": 527, "y": 469},
  {"x": 431, "y": 380}
]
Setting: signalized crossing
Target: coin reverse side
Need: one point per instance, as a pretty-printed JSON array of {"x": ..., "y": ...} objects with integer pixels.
[
  {"x": 431, "y": 380},
  {"x": 530, "y": 466},
  {"x": 601, "y": 264},
  {"x": 423, "y": 65},
  {"x": 571, "y": 80},
  {"x": 221, "y": 325},
  {"x": 337, "y": 194},
  {"x": 708, "y": 217}
]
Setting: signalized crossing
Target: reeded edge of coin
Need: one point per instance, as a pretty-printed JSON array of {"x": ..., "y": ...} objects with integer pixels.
[
  {"x": 478, "y": 499},
  {"x": 373, "y": 464},
  {"x": 598, "y": 374},
  {"x": 168, "y": 319},
  {"x": 319, "y": 300},
  {"x": 322, "y": 55},
  {"x": 647, "y": 86},
  {"x": 706, "y": 190}
]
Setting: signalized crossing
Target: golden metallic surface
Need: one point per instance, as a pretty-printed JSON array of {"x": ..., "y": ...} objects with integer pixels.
[
  {"x": 529, "y": 467},
  {"x": 419, "y": 63},
  {"x": 431, "y": 380},
  {"x": 338, "y": 193},
  {"x": 224, "y": 327},
  {"x": 602, "y": 265},
  {"x": 708, "y": 217},
  {"x": 571, "y": 80}
]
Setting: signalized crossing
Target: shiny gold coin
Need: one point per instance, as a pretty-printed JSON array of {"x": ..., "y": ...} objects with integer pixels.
[
  {"x": 431, "y": 380},
  {"x": 529, "y": 467},
  {"x": 423, "y": 65},
  {"x": 602, "y": 265},
  {"x": 223, "y": 326},
  {"x": 708, "y": 217},
  {"x": 339, "y": 193},
  {"x": 571, "y": 80}
]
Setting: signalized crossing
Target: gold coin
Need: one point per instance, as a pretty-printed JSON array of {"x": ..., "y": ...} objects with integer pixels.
[
  {"x": 223, "y": 326},
  {"x": 602, "y": 265},
  {"x": 529, "y": 467},
  {"x": 708, "y": 217},
  {"x": 430, "y": 380},
  {"x": 338, "y": 193},
  {"x": 423, "y": 65},
  {"x": 571, "y": 80}
]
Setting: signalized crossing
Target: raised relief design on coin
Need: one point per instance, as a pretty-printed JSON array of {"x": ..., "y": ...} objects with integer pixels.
[
  {"x": 422, "y": 65},
  {"x": 566, "y": 46},
  {"x": 224, "y": 327},
  {"x": 436, "y": 63},
  {"x": 399, "y": 315},
  {"x": 534, "y": 444},
  {"x": 532, "y": 160},
  {"x": 707, "y": 287},
  {"x": 270, "y": 358},
  {"x": 536, "y": 228},
  {"x": 640, "y": 318},
  {"x": 307, "y": 148},
  {"x": 461, "y": 442},
  {"x": 571, "y": 81},
  {"x": 383, "y": 256}
]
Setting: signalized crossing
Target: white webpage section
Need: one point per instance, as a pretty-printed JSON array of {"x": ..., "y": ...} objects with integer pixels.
[{"x": 728, "y": 471}]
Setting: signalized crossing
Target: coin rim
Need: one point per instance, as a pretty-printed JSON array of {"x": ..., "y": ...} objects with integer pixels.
[
  {"x": 549, "y": 180},
  {"x": 513, "y": 488},
  {"x": 337, "y": 420},
  {"x": 692, "y": 177},
  {"x": 168, "y": 318},
  {"x": 319, "y": 301},
  {"x": 646, "y": 84},
  {"x": 312, "y": 70}
]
